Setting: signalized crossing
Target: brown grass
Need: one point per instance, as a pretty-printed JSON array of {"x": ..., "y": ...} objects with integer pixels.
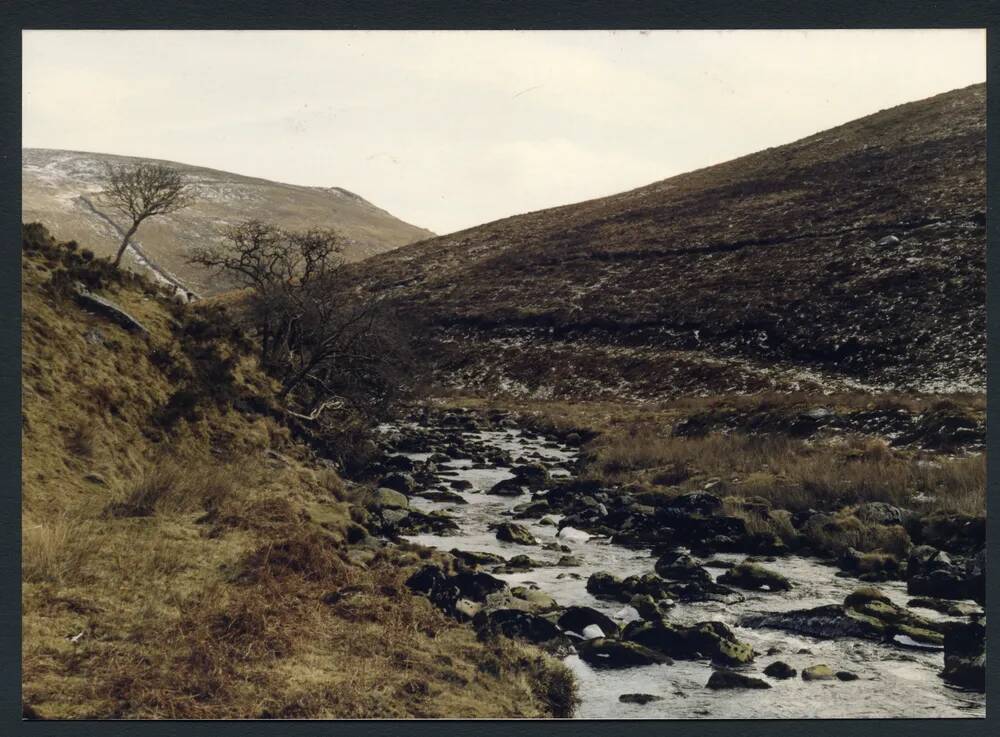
[{"x": 190, "y": 581}]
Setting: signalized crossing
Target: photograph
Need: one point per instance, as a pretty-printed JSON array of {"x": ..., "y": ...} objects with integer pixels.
[{"x": 502, "y": 374}]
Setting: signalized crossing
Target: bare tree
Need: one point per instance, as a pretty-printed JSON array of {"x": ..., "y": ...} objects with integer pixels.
[
  {"x": 330, "y": 346},
  {"x": 141, "y": 191}
]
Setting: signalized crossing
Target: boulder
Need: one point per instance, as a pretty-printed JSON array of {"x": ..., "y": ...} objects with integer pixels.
[
  {"x": 533, "y": 475},
  {"x": 383, "y": 498},
  {"x": 780, "y": 669},
  {"x": 517, "y": 624},
  {"x": 473, "y": 558},
  {"x": 607, "y": 653},
  {"x": 965, "y": 655},
  {"x": 880, "y": 513},
  {"x": 577, "y": 618},
  {"x": 446, "y": 497},
  {"x": 681, "y": 567},
  {"x": 846, "y": 675},
  {"x": 638, "y": 698},
  {"x": 399, "y": 481},
  {"x": 507, "y": 487},
  {"x": 820, "y": 672},
  {"x": 728, "y": 679},
  {"x": 712, "y": 640},
  {"x": 754, "y": 577},
  {"x": 416, "y": 522},
  {"x": 696, "y": 502},
  {"x": 514, "y": 533}
]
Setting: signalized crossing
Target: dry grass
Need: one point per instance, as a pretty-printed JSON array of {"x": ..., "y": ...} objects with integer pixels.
[
  {"x": 183, "y": 575},
  {"x": 57, "y": 549}
]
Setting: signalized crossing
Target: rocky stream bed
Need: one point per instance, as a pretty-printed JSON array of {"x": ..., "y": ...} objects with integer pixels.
[{"x": 655, "y": 630}]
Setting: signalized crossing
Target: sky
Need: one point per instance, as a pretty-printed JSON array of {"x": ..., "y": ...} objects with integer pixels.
[{"x": 447, "y": 130}]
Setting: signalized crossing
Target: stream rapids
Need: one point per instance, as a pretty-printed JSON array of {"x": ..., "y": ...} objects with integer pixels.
[{"x": 893, "y": 681}]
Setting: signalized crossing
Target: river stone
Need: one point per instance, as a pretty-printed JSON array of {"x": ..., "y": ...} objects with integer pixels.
[
  {"x": 466, "y": 609},
  {"x": 516, "y": 624},
  {"x": 383, "y": 498},
  {"x": 513, "y": 533},
  {"x": 507, "y": 487},
  {"x": 638, "y": 698},
  {"x": 606, "y": 653},
  {"x": 780, "y": 669},
  {"x": 577, "y": 618},
  {"x": 727, "y": 679},
  {"x": 571, "y": 533},
  {"x": 965, "y": 655},
  {"x": 447, "y": 497},
  {"x": 846, "y": 675},
  {"x": 476, "y": 585},
  {"x": 401, "y": 482},
  {"x": 681, "y": 567},
  {"x": 474, "y": 558},
  {"x": 533, "y": 475},
  {"x": 712, "y": 640},
  {"x": 754, "y": 577},
  {"x": 820, "y": 672},
  {"x": 591, "y": 632}
]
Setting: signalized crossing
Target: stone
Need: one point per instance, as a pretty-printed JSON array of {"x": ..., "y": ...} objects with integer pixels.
[
  {"x": 592, "y": 631},
  {"x": 514, "y": 533},
  {"x": 712, "y": 640},
  {"x": 846, "y": 675},
  {"x": 384, "y": 498},
  {"x": 607, "y": 653},
  {"x": 109, "y": 310},
  {"x": 728, "y": 679},
  {"x": 888, "y": 241},
  {"x": 820, "y": 672},
  {"x": 517, "y": 624},
  {"x": 754, "y": 577},
  {"x": 780, "y": 669},
  {"x": 681, "y": 567},
  {"x": 577, "y": 618},
  {"x": 473, "y": 558},
  {"x": 399, "y": 481},
  {"x": 507, "y": 487},
  {"x": 638, "y": 698},
  {"x": 965, "y": 655}
]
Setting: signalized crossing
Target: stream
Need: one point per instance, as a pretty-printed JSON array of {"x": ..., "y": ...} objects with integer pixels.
[{"x": 894, "y": 682}]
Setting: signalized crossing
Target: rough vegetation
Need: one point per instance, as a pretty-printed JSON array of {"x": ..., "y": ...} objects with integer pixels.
[
  {"x": 852, "y": 258},
  {"x": 185, "y": 556}
]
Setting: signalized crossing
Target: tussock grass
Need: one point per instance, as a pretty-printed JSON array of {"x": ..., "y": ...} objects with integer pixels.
[{"x": 58, "y": 549}]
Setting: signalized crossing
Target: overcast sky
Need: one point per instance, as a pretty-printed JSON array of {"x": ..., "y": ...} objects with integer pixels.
[{"x": 451, "y": 129}]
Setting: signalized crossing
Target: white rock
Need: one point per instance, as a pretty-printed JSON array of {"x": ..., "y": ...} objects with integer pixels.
[
  {"x": 592, "y": 631},
  {"x": 571, "y": 533}
]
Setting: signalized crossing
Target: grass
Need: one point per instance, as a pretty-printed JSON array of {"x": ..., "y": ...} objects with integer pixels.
[{"x": 179, "y": 570}]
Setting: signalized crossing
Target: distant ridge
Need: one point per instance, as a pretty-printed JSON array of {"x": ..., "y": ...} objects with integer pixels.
[{"x": 59, "y": 188}]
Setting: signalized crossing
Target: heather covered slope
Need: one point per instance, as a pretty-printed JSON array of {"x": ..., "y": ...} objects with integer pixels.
[
  {"x": 59, "y": 188},
  {"x": 852, "y": 258}
]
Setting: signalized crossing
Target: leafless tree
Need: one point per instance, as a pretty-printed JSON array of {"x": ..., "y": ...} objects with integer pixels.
[
  {"x": 141, "y": 191},
  {"x": 329, "y": 345}
]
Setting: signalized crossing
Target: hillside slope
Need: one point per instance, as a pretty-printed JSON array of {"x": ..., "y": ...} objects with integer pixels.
[
  {"x": 184, "y": 556},
  {"x": 59, "y": 188},
  {"x": 851, "y": 258}
]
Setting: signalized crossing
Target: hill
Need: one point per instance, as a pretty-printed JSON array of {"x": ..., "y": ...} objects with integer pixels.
[
  {"x": 187, "y": 555},
  {"x": 854, "y": 258},
  {"x": 59, "y": 188}
]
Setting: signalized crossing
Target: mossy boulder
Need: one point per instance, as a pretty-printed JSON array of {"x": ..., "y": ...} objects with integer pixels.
[
  {"x": 513, "y": 533},
  {"x": 820, "y": 672},
  {"x": 712, "y": 640},
  {"x": 603, "y": 652},
  {"x": 728, "y": 679},
  {"x": 755, "y": 577}
]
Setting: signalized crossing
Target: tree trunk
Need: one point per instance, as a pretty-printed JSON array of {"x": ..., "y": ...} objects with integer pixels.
[{"x": 125, "y": 241}]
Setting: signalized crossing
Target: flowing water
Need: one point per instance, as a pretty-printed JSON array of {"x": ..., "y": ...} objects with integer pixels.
[{"x": 893, "y": 681}]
